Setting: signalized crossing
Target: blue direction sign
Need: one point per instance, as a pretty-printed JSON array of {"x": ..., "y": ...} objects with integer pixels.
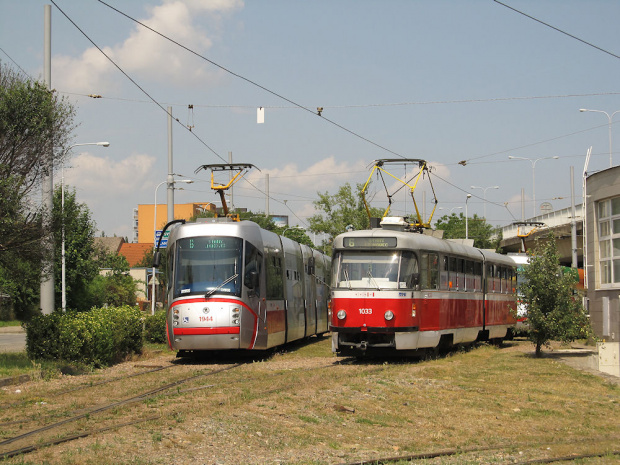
[{"x": 164, "y": 240}]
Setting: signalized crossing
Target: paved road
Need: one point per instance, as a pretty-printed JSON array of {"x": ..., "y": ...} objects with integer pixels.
[{"x": 12, "y": 339}]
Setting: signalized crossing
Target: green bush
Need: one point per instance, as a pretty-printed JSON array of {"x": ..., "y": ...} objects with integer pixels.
[
  {"x": 99, "y": 337},
  {"x": 155, "y": 328}
]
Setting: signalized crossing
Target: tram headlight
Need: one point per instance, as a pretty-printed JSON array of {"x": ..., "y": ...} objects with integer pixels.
[
  {"x": 389, "y": 315},
  {"x": 341, "y": 315},
  {"x": 413, "y": 310}
]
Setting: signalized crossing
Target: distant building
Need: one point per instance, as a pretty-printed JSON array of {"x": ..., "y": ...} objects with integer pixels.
[
  {"x": 109, "y": 245},
  {"x": 143, "y": 217}
]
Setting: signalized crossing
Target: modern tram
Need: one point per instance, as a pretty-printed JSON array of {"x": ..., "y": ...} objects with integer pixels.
[
  {"x": 234, "y": 285},
  {"x": 395, "y": 289}
]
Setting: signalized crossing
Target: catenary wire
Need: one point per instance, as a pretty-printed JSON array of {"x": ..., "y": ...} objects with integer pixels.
[
  {"x": 280, "y": 96},
  {"x": 559, "y": 30},
  {"x": 134, "y": 82}
]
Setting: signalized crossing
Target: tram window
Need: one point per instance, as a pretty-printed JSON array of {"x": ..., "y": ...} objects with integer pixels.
[
  {"x": 453, "y": 279},
  {"x": 478, "y": 275},
  {"x": 253, "y": 268},
  {"x": 409, "y": 271},
  {"x": 444, "y": 273},
  {"x": 469, "y": 276},
  {"x": 429, "y": 271},
  {"x": 490, "y": 278},
  {"x": 275, "y": 285}
]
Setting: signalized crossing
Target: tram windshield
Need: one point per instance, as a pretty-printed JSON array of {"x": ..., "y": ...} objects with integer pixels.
[
  {"x": 208, "y": 265},
  {"x": 395, "y": 269}
]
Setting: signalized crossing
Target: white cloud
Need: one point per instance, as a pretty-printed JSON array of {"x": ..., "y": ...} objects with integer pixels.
[
  {"x": 146, "y": 55},
  {"x": 325, "y": 175},
  {"x": 111, "y": 189},
  {"x": 102, "y": 176}
]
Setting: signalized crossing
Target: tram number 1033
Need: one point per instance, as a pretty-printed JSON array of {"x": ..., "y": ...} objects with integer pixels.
[{"x": 365, "y": 311}]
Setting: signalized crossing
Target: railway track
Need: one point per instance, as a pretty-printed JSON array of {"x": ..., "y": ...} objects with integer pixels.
[
  {"x": 421, "y": 457},
  {"x": 37, "y": 433}
]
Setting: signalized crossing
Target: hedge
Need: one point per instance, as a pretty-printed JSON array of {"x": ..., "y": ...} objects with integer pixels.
[
  {"x": 155, "y": 328},
  {"x": 99, "y": 337}
]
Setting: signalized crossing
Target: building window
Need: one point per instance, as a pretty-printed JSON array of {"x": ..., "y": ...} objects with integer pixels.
[{"x": 609, "y": 241}]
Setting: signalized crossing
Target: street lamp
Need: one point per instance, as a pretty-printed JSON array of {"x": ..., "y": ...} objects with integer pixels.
[
  {"x": 609, "y": 117},
  {"x": 484, "y": 197},
  {"x": 62, "y": 210},
  {"x": 533, "y": 162},
  {"x": 466, "y": 214},
  {"x": 186, "y": 181},
  {"x": 451, "y": 209}
]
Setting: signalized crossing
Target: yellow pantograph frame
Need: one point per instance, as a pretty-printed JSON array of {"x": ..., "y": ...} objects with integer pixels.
[{"x": 378, "y": 166}]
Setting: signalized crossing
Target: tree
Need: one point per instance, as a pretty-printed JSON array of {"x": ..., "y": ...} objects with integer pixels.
[
  {"x": 485, "y": 236},
  {"x": 117, "y": 288},
  {"x": 339, "y": 211},
  {"x": 33, "y": 121},
  {"x": 79, "y": 238},
  {"x": 554, "y": 311}
]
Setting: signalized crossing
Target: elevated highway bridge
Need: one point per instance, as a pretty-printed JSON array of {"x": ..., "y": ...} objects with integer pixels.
[{"x": 558, "y": 222}]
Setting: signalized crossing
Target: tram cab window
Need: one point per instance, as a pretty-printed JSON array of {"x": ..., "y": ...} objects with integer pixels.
[
  {"x": 383, "y": 269},
  {"x": 208, "y": 264}
]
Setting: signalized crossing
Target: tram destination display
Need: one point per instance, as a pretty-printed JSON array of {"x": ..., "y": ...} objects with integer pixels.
[{"x": 369, "y": 242}]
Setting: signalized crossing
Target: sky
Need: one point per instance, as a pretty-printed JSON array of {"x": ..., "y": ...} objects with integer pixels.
[{"x": 460, "y": 84}]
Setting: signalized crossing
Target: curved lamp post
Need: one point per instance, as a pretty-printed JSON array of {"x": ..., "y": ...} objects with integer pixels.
[
  {"x": 62, "y": 209},
  {"x": 484, "y": 197},
  {"x": 609, "y": 118},
  {"x": 466, "y": 215},
  {"x": 533, "y": 162}
]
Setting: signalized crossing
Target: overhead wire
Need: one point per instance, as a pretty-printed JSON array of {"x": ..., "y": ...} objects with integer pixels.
[
  {"x": 295, "y": 104},
  {"x": 133, "y": 81},
  {"x": 558, "y": 29},
  {"x": 254, "y": 83}
]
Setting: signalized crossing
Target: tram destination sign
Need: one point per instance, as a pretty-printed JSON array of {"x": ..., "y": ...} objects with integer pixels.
[{"x": 369, "y": 242}]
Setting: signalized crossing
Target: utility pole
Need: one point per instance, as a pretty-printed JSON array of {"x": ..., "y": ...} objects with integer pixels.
[
  {"x": 267, "y": 195},
  {"x": 170, "y": 178},
  {"x": 573, "y": 221},
  {"x": 47, "y": 189}
]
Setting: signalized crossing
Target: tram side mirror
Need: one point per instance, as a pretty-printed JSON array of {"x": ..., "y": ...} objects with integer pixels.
[
  {"x": 156, "y": 259},
  {"x": 311, "y": 266},
  {"x": 251, "y": 279}
]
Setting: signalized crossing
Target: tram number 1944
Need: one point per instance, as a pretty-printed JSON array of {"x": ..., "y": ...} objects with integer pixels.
[{"x": 365, "y": 311}]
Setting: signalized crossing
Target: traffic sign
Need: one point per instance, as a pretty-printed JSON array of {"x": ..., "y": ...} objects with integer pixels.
[{"x": 164, "y": 240}]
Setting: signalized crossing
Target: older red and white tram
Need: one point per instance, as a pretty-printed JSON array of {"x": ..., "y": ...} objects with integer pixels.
[
  {"x": 406, "y": 291},
  {"x": 233, "y": 285}
]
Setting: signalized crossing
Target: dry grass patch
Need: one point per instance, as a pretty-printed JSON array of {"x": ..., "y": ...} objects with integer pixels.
[{"x": 303, "y": 405}]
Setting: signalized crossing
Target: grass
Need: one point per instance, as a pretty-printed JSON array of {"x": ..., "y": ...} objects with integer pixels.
[
  {"x": 302, "y": 408},
  {"x": 14, "y": 364},
  {"x": 4, "y": 324}
]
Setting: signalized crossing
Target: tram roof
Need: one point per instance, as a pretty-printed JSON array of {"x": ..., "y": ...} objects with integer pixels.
[{"x": 420, "y": 241}]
